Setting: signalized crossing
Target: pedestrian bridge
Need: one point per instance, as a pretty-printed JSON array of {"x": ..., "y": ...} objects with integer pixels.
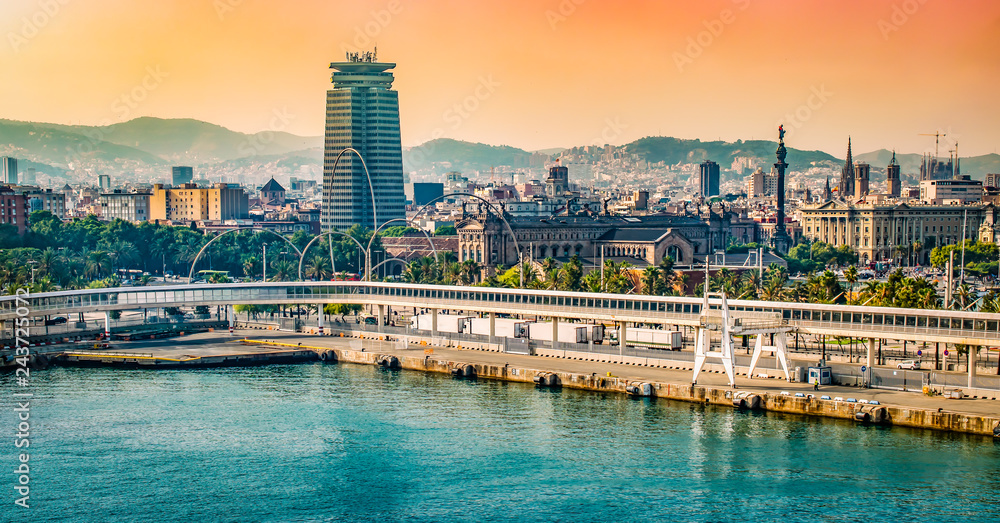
[{"x": 934, "y": 326}]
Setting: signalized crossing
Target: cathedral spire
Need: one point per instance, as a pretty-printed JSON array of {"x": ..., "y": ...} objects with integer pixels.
[{"x": 847, "y": 174}]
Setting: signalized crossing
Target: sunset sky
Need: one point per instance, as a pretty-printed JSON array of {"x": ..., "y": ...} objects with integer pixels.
[{"x": 529, "y": 73}]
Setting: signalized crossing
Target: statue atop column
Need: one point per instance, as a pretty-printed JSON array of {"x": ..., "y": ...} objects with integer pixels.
[{"x": 780, "y": 240}]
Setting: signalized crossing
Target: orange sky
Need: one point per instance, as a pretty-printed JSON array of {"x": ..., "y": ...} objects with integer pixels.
[{"x": 528, "y": 73}]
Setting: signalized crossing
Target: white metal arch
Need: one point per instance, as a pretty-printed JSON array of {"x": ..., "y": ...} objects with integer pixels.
[
  {"x": 371, "y": 188},
  {"x": 210, "y": 242},
  {"x": 513, "y": 237},
  {"x": 375, "y": 233},
  {"x": 333, "y": 265},
  {"x": 387, "y": 260}
]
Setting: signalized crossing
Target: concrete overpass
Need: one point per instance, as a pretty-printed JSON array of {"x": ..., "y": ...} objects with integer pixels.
[{"x": 933, "y": 326}]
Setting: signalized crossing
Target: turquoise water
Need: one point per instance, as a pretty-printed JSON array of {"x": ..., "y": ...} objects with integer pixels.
[{"x": 355, "y": 443}]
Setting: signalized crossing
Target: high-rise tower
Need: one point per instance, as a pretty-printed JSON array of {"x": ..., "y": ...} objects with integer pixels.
[
  {"x": 708, "y": 180},
  {"x": 8, "y": 165},
  {"x": 362, "y": 113}
]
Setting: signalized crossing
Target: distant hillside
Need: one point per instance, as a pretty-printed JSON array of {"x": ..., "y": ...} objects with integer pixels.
[
  {"x": 463, "y": 155},
  {"x": 195, "y": 141},
  {"x": 148, "y": 140},
  {"x": 676, "y": 150},
  {"x": 53, "y": 145}
]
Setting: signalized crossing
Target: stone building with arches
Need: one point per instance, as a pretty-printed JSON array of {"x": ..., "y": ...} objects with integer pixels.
[{"x": 640, "y": 240}]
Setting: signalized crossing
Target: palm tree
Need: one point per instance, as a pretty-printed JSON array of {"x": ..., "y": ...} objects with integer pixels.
[
  {"x": 751, "y": 284},
  {"x": 916, "y": 246},
  {"x": 772, "y": 291},
  {"x": 282, "y": 270},
  {"x": 318, "y": 267},
  {"x": 446, "y": 257},
  {"x": 851, "y": 277},
  {"x": 550, "y": 273},
  {"x": 668, "y": 274},
  {"x": 97, "y": 263},
  {"x": 680, "y": 284},
  {"x": 48, "y": 261},
  {"x": 412, "y": 273},
  {"x": 470, "y": 271},
  {"x": 250, "y": 266},
  {"x": 964, "y": 294},
  {"x": 650, "y": 280},
  {"x": 928, "y": 299},
  {"x": 991, "y": 303},
  {"x": 428, "y": 270},
  {"x": 123, "y": 253},
  {"x": 453, "y": 273}
]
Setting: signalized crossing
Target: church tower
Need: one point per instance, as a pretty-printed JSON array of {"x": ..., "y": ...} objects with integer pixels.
[{"x": 847, "y": 174}]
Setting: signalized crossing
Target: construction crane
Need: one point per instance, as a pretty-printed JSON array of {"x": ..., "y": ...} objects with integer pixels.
[{"x": 937, "y": 137}]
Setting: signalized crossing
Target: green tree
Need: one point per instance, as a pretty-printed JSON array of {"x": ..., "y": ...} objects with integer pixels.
[
  {"x": 445, "y": 230},
  {"x": 571, "y": 275},
  {"x": 396, "y": 231}
]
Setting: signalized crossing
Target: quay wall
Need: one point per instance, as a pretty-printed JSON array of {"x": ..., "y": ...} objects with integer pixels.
[{"x": 896, "y": 415}]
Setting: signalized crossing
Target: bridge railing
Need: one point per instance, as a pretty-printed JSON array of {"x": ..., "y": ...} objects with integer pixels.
[{"x": 949, "y": 326}]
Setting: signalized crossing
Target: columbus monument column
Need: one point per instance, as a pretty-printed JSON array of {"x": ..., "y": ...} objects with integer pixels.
[{"x": 780, "y": 240}]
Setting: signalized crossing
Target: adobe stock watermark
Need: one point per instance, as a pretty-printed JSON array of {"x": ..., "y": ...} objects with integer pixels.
[
  {"x": 365, "y": 34},
  {"x": 123, "y": 107},
  {"x": 457, "y": 114},
  {"x": 562, "y": 12},
  {"x": 224, "y": 7},
  {"x": 901, "y": 14},
  {"x": 613, "y": 129},
  {"x": 256, "y": 143},
  {"x": 32, "y": 25},
  {"x": 814, "y": 102},
  {"x": 714, "y": 28},
  {"x": 22, "y": 399}
]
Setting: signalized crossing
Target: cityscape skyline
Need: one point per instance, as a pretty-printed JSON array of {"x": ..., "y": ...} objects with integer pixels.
[{"x": 684, "y": 68}]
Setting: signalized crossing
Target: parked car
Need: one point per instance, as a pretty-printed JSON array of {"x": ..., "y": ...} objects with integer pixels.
[
  {"x": 55, "y": 320},
  {"x": 909, "y": 365}
]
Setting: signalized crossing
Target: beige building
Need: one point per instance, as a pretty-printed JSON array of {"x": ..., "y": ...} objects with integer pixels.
[
  {"x": 761, "y": 184},
  {"x": 188, "y": 203},
  {"x": 955, "y": 191},
  {"x": 889, "y": 232},
  {"x": 132, "y": 207}
]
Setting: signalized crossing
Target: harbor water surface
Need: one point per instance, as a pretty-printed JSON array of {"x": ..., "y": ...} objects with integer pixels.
[{"x": 322, "y": 442}]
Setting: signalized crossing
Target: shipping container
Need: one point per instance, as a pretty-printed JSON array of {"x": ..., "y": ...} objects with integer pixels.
[{"x": 654, "y": 338}]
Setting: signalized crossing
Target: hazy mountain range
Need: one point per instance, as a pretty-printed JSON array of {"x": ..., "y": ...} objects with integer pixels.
[{"x": 152, "y": 142}]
